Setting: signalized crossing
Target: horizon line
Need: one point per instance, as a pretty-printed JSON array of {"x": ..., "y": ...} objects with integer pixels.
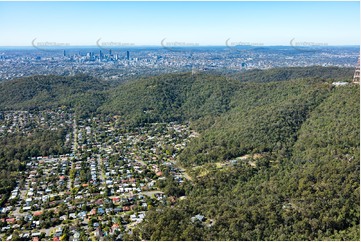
[{"x": 170, "y": 46}]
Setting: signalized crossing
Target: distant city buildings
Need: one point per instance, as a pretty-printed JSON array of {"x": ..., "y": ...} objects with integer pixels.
[{"x": 113, "y": 64}]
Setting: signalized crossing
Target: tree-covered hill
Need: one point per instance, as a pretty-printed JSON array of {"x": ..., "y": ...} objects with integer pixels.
[
  {"x": 262, "y": 118},
  {"x": 165, "y": 97},
  {"x": 312, "y": 194},
  {"x": 172, "y": 97},
  {"x": 290, "y": 73},
  {"x": 185, "y": 97},
  {"x": 39, "y": 92}
]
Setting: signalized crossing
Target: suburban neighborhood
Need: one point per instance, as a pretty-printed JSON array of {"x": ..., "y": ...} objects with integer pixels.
[{"x": 102, "y": 188}]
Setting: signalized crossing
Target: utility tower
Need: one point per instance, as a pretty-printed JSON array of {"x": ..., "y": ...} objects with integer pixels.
[{"x": 356, "y": 76}]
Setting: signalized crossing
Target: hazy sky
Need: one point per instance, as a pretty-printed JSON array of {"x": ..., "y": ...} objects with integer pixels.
[{"x": 205, "y": 23}]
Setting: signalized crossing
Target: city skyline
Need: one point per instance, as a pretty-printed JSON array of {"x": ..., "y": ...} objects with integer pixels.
[{"x": 129, "y": 24}]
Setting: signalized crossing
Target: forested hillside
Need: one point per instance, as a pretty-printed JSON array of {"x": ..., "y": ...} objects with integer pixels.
[
  {"x": 185, "y": 97},
  {"x": 263, "y": 118},
  {"x": 312, "y": 194},
  {"x": 290, "y": 73},
  {"x": 161, "y": 98},
  {"x": 40, "y": 92}
]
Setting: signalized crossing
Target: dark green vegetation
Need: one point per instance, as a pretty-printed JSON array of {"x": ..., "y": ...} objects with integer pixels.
[
  {"x": 290, "y": 73},
  {"x": 166, "y": 97},
  {"x": 83, "y": 93},
  {"x": 294, "y": 140}
]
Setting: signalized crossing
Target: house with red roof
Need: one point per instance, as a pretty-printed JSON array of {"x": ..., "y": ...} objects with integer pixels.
[{"x": 38, "y": 213}]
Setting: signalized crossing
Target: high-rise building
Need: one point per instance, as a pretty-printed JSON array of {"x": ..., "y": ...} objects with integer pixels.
[
  {"x": 64, "y": 53},
  {"x": 101, "y": 54},
  {"x": 110, "y": 52},
  {"x": 128, "y": 55}
]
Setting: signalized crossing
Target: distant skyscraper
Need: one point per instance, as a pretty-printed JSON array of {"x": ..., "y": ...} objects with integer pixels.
[
  {"x": 110, "y": 52},
  {"x": 127, "y": 55},
  {"x": 101, "y": 54},
  {"x": 64, "y": 53}
]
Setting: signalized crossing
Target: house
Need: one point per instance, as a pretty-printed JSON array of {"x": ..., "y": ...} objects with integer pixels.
[
  {"x": 10, "y": 220},
  {"x": 82, "y": 215},
  {"x": 76, "y": 236},
  {"x": 118, "y": 210},
  {"x": 5, "y": 228},
  {"x": 37, "y": 234},
  {"x": 98, "y": 232},
  {"x": 339, "y": 83},
  {"x": 28, "y": 217},
  {"x": 28, "y": 201},
  {"x": 99, "y": 202},
  {"x": 101, "y": 211},
  {"x": 38, "y": 213},
  {"x": 141, "y": 215},
  {"x": 115, "y": 227},
  {"x": 25, "y": 235},
  {"x": 133, "y": 217},
  {"x": 198, "y": 217},
  {"x": 92, "y": 212},
  {"x": 108, "y": 210}
]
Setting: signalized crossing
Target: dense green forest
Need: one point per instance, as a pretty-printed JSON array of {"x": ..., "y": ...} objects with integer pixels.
[
  {"x": 185, "y": 97},
  {"x": 81, "y": 92},
  {"x": 263, "y": 118},
  {"x": 290, "y": 73},
  {"x": 166, "y": 97},
  {"x": 277, "y": 157}
]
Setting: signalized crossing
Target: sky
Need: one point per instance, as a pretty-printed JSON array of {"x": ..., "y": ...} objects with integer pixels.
[{"x": 190, "y": 23}]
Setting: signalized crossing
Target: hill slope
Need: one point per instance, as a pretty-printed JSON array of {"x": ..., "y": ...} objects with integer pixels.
[
  {"x": 39, "y": 92},
  {"x": 311, "y": 195},
  {"x": 185, "y": 97}
]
